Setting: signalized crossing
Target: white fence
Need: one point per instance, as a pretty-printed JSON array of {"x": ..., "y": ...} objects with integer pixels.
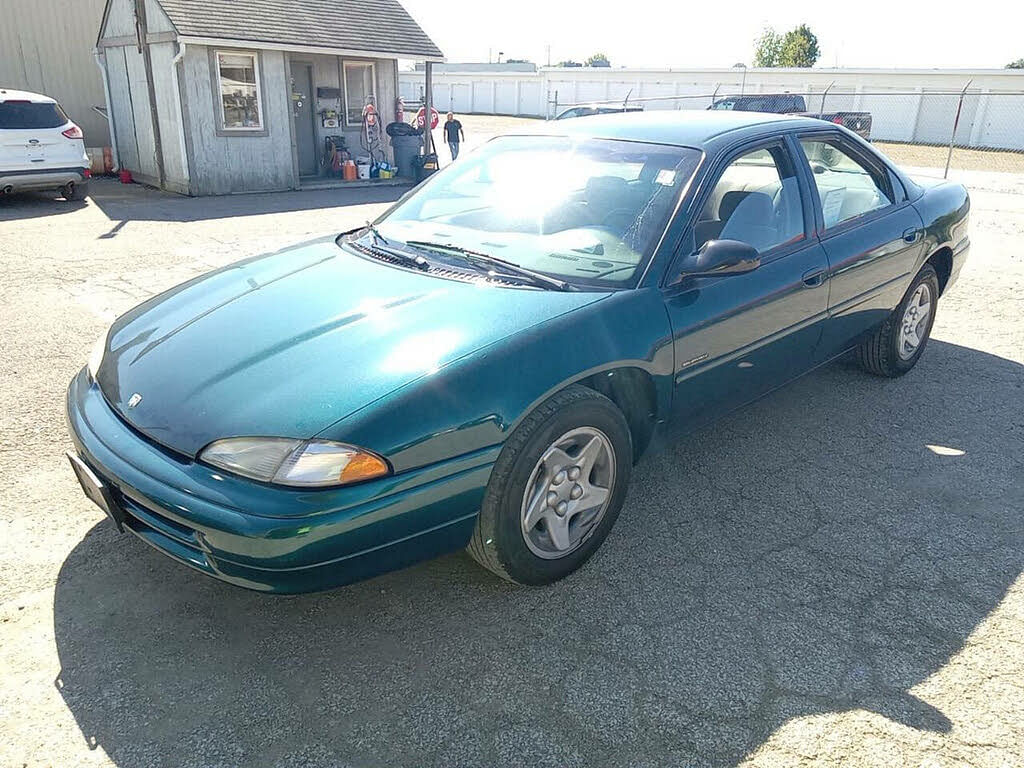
[{"x": 916, "y": 106}]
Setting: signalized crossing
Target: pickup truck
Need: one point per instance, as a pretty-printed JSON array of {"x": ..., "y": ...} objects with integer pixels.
[{"x": 794, "y": 104}]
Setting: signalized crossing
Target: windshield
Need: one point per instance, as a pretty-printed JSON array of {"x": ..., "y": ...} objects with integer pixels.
[{"x": 588, "y": 211}]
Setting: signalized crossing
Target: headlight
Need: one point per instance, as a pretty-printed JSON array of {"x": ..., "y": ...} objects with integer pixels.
[
  {"x": 96, "y": 355},
  {"x": 301, "y": 463}
]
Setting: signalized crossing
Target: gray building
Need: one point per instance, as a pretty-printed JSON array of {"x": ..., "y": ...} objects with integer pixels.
[
  {"x": 46, "y": 46},
  {"x": 211, "y": 97}
]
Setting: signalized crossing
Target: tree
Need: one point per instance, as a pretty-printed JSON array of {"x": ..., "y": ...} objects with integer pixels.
[
  {"x": 598, "y": 60},
  {"x": 1018, "y": 64},
  {"x": 796, "y": 48},
  {"x": 767, "y": 48},
  {"x": 799, "y": 48}
]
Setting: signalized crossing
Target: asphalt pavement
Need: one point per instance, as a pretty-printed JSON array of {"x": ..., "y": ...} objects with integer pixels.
[{"x": 831, "y": 576}]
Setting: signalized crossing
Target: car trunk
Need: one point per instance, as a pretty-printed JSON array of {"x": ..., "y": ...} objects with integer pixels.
[{"x": 31, "y": 138}]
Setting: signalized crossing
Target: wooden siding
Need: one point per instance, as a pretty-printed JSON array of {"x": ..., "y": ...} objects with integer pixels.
[
  {"x": 156, "y": 19},
  {"x": 121, "y": 108},
  {"x": 223, "y": 164},
  {"x": 199, "y": 158},
  {"x": 120, "y": 21},
  {"x": 168, "y": 109},
  {"x": 147, "y": 169}
]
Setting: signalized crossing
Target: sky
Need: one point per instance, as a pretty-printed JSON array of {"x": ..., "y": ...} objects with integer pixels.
[{"x": 637, "y": 33}]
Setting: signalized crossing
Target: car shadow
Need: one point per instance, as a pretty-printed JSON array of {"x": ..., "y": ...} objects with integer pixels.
[
  {"x": 122, "y": 203},
  {"x": 824, "y": 550},
  {"x": 35, "y": 205},
  {"x": 134, "y": 202}
]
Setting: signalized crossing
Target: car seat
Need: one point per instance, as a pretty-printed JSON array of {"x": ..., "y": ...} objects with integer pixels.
[{"x": 748, "y": 217}]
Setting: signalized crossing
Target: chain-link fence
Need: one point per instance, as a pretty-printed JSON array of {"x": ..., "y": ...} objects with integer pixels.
[{"x": 930, "y": 133}]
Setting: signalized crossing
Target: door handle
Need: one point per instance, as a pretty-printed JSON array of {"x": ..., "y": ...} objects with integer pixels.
[
  {"x": 911, "y": 235},
  {"x": 814, "y": 278}
]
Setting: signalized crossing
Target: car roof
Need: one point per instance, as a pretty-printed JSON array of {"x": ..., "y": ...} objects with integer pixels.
[
  {"x": 687, "y": 127},
  {"x": 10, "y": 94}
]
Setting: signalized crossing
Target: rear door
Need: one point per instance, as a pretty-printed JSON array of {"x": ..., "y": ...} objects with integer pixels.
[
  {"x": 31, "y": 138},
  {"x": 735, "y": 337},
  {"x": 871, "y": 234}
]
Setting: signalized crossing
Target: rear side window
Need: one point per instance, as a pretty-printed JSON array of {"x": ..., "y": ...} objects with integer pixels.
[
  {"x": 30, "y": 114},
  {"x": 846, "y": 187}
]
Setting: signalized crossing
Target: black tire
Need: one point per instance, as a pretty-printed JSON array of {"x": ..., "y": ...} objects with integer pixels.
[
  {"x": 75, "y": 190},
  {"x": 498, "y": 543},
  {"x": 879, "y": 352}
]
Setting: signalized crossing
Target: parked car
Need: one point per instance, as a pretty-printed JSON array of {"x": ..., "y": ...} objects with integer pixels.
[
  {"x": 794, "y": 104},
  {"x": 483, "y": 365},
  {"x": 586, "y": 110},
  {"x": 40, "y": 148}
]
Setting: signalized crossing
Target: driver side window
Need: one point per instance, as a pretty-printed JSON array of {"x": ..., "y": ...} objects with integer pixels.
[{"x": 756, "y": 201}]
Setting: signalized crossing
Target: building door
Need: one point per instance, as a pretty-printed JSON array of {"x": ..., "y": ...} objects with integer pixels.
[{"x": 302, "y": 116}]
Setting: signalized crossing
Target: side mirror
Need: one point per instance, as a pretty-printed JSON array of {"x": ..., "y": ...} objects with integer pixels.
[{"x": 722, "y": 257}]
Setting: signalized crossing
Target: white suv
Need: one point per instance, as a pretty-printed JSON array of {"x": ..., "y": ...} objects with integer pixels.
[{"x": 40, "y": 148}]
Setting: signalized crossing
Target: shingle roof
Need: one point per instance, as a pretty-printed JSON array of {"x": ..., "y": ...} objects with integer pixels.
[{"x": 364, "y": 25}]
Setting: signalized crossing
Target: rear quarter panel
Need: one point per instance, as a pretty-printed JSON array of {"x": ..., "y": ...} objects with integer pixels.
[{"x": 945, "y": 214}]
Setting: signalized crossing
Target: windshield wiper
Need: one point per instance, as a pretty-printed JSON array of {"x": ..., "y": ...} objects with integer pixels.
[
  {"x": 495, "y": 266},
  {"x": 377, "y": 236},
  {"x": 383, "y": 245}
]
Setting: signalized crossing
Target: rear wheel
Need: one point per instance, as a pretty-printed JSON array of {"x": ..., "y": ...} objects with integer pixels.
[
  {"x": 897, "y": 344},
  {"x": 74, "y": 190},
  {"x": 555, "y": 490}
]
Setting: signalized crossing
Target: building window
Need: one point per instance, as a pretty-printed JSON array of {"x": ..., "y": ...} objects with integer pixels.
[
  {"x": 238, "y": 85},
  {"x": 359, "y": 79}
]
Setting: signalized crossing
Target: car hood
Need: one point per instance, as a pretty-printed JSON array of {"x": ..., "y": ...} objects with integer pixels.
[{"x": 290, "y": 343}]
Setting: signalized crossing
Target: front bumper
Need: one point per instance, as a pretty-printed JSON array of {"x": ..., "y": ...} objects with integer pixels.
[
  {"x": 50, "y": 178},
  {"x": 269, "y": 538}
]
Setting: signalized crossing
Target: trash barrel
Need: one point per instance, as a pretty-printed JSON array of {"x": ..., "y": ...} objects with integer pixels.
[
  {"x": 407, "y": 149},
  {"x": 425, "y": 166}
]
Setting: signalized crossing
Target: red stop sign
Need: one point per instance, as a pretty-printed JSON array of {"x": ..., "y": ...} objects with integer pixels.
[{"x": 422, "y": 114}]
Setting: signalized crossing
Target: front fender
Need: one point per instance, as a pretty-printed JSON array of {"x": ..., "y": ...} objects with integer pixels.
[{"x": 476, "y": 402}]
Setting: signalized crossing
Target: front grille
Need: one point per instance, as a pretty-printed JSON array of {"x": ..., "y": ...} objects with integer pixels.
[
  {"x": 147, "y": 513},
  {"x": 144, "y": 515}
]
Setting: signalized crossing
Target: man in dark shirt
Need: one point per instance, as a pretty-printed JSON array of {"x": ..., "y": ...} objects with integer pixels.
[{"x": 452, "y": 132}]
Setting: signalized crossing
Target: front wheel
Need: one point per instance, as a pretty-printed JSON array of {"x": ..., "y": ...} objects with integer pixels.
[
  {"x": 897, "y": 344},
  {"x": 555, "y": 490}
]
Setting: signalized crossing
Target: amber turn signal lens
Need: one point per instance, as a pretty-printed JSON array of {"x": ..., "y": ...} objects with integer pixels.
[{"x": 363, "y": 466}]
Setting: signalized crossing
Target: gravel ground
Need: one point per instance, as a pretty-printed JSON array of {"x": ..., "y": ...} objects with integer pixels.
[{"x": 829, "y": 577}]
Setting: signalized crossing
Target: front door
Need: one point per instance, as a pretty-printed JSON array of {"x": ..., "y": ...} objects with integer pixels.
[
  {"x": 302, "y": 116},
  {"x": 739, "y": 336}
]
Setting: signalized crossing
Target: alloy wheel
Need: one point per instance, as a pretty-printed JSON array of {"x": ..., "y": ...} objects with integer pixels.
[
  {"x": 568, "y": 492},
  {"x": 914, "y": 324}
]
